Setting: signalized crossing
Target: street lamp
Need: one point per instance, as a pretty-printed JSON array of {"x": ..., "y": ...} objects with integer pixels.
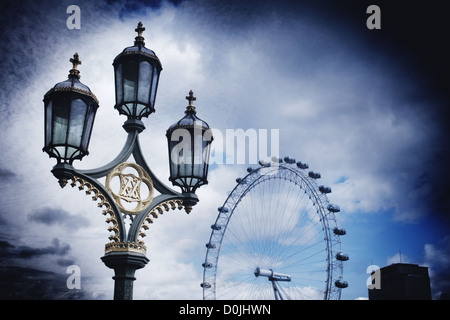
[
  {"x": 70, "y": 109},
  {"x": 189, "y": 142},
  {"x": 136, "y": 72}
]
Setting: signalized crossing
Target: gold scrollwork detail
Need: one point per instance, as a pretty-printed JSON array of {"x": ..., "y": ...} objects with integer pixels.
[
  {"x": 90, "y": 189},
  {"x": 130, "y": 187},
  {"x": 158, "y": 210}
]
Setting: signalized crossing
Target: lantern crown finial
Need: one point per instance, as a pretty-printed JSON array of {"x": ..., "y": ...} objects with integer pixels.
[
  {"x": 190, "y": 108},
  {"x": 140, "y": 29},
  {"x": 75, "y": 63}
]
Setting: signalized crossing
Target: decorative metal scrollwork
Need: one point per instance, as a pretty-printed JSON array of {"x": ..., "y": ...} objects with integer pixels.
[
  {"x": 130, "y": 187},
  {"x": 165, "y": 206},
  {"x": 91, "y": 189}
]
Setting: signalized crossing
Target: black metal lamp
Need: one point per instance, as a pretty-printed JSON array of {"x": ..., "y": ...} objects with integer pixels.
[
  {"x": 189, "y": 143},
  {"x": 70, "y": 109},
  {"x": 136, "y": 72}
]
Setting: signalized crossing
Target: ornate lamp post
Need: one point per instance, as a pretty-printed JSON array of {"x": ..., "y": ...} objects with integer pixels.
[{"x": 70, "y": 109}]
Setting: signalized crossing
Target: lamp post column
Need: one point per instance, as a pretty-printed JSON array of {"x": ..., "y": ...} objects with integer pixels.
[{"x": 125, "y": 265}]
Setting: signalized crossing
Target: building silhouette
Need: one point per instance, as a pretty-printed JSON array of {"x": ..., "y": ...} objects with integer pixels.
[{"x": 402, "y": 281}]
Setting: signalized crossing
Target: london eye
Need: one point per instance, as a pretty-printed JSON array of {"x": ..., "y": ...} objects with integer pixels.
[{"x": 276, "y": 237}]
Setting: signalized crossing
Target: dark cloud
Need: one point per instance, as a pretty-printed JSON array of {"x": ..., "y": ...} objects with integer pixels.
[
  {"x": 50, "y": 216},
  {"x": 56, "y": 248},
  {"x": 6, "y": 175},
  {"x": 64, "y": 262},
  {"x": 5, "y": 249},
  {"x": 29, "y": 283},
  {"x": 5, "y": 245}
]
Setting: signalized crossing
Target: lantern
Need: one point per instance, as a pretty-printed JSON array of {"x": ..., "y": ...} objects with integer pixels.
[
  {"x": 70, "y": 109},
  {"x": 189, "y": 142},
  {"x": 136, "y": 72}
]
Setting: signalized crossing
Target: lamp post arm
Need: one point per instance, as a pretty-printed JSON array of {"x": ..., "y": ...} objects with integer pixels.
[
  {"x": 121, "y": 157},
  {"x": 159, "y": 205}
]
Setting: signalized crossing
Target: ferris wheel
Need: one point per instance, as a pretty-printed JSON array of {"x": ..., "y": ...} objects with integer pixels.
[{"x": 275, "y": 236}]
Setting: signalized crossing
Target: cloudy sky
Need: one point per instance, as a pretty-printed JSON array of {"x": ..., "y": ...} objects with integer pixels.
[{"x": 365, "y": 108}]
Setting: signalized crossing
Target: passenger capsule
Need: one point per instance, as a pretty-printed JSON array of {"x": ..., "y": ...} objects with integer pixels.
[
  {"x": 333, "y": 208},
  {"x": 341, "y": 284},
  {"x": 215, "y": 227},
  {"x": 342, "y": 256},
  {"x": 302, "y": 165},
  {"x": 210, "y": 245},
  {"x": 339, "y": 231},
  {"x": 324, "y": 189},
  {"x": 206, "y": 285},
  {"x": 289, "y": 160},
  {"x": 223, "y": 209},
  {"x": 314, "y": 175},
  {"x": 263, "y": 163},
  {"x": 207, "y": 265}
]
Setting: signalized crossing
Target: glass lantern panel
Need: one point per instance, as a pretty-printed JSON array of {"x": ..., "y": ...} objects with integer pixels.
[
  {"x": 140, "y": 109},
  {"x": 206, "y": 152},
  {"x": 88, "y": 128},
  {"x": 130, "y": 76},
  {"x": 119, "y": 88},
  {"x": 72, "y": 153},
  {"x": 76, "y": 125},
  {"x": 194, "y": 182},
  {"x": 184, "y": 170},
  {"x": 173, "y": 158},
  {"x": 197, "y": 171},
  {"x": 185, "y": 160},
  {"x": 60, "y": 151},
  {"x": 60, "y": 120},
  {"x": 206, "y": 159},
  {"x": 198, "y": 156},
  {"x": 154, "y": 86},
  {"x": 127, "y": 108},
  {"x": 48, "y": 123},
  {"x": 180, "y": 146},
  {"x": 145, "y": 79}
]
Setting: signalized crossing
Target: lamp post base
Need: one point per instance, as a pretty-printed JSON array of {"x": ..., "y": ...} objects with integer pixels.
[{"x": 125, "y": 264}]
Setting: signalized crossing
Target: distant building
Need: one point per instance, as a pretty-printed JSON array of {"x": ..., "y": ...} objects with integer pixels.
[{"x": 402, "y": 281}]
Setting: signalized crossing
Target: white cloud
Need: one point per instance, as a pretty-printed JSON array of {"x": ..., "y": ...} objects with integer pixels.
[
  {"x": 398, "y": 258},
  {"x": 436, "y": 258}
]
